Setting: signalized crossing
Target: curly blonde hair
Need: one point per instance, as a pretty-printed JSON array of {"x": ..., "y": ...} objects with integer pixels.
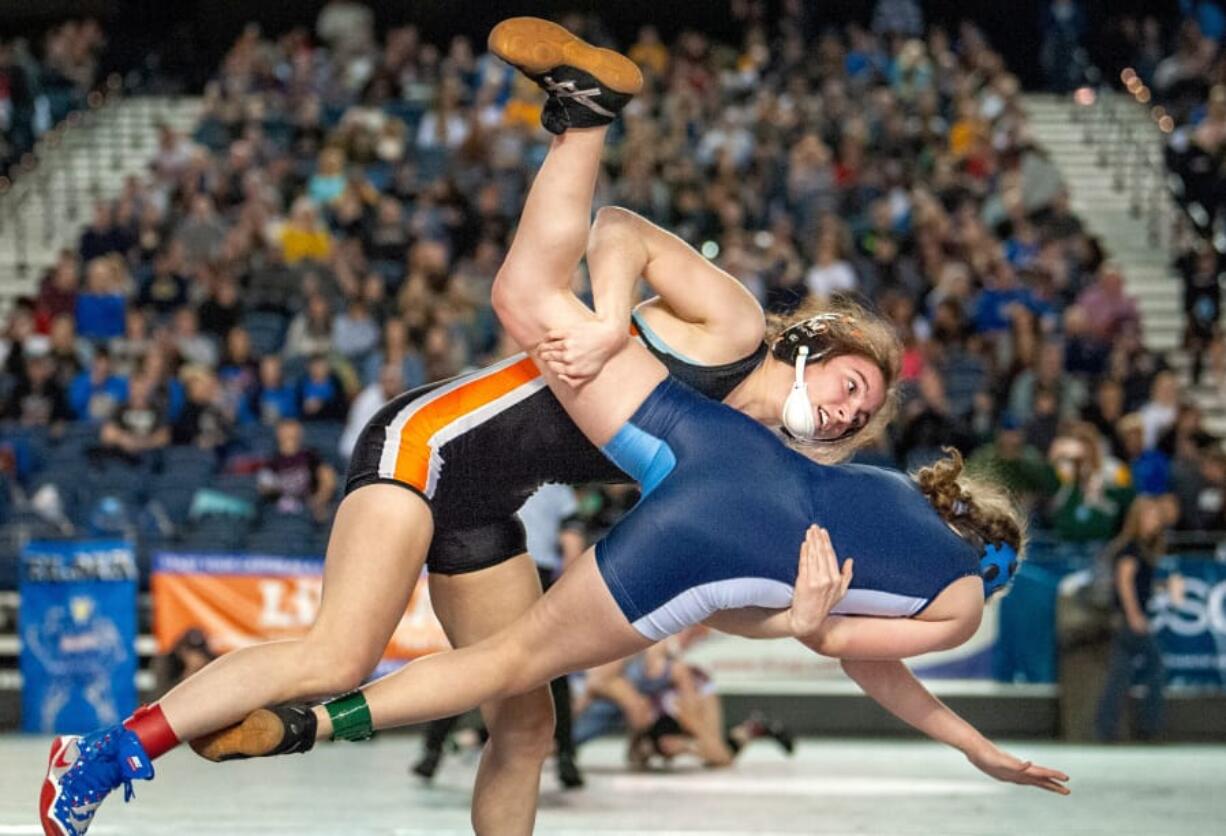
[
  {"x": 856, "y": 331},
  {"x": 976, "y": 507}
]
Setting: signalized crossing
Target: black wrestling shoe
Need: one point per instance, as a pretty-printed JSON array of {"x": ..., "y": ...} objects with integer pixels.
[
  {"x": 569, "y": 775},
  {"x": 759, "y": 726},
  {"x": 283, "y": 730},
  {"x": 428, "y": 765},
  {"x": 587, "y": 85}
]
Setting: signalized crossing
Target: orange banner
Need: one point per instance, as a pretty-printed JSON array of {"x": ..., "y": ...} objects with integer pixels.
[{"x": 237, "y": 601}]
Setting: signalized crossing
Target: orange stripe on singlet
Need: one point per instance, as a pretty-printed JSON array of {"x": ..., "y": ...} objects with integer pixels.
[{"x": 413, "y": 460}]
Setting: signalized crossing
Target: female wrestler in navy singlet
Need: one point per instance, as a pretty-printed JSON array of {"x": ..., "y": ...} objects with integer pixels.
[
  {"x": 715, "y": 536},
  {"x": 726, "y": 507}
]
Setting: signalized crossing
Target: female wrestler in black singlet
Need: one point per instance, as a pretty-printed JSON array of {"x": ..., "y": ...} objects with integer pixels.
[{"x": 438, "y": 475}]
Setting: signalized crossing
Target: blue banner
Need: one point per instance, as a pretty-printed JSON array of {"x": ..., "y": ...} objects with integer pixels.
[
  {"x": 77, "y": 621},
  {"x": 1192, "y": 633}
]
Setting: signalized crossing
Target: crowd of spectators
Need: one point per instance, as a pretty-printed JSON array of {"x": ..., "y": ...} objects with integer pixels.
[
  {"x": 328, "y": 235},
  {"x": 42, "y": 83}
]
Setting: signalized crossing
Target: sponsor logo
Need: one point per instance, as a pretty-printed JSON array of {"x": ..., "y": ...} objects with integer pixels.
[
  {"x": 62, "y": 761},
  {"x": 289, "y": 603},
  {"x": 1203, "y": 609}
]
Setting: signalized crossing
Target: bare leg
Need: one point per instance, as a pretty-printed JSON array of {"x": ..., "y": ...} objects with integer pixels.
[
  {"x": 375, "y": 555},
  {"x": 576, "y": 625},
  {"x": 553, "y": 228},
  {"x": 709, "y": 732},
  {"x": 521, "y": 727},
  {"x": 532, "y": 291}
]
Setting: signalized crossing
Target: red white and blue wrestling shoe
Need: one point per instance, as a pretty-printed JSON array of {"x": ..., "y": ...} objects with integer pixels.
[{"x": 82, "y": 771}]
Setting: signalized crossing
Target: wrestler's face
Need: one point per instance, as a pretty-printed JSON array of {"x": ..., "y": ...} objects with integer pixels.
[{"x": 845, "y": 392}]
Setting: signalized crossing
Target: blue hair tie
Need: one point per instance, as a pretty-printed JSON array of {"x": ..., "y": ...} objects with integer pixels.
[{"x": 997, "y": 566}]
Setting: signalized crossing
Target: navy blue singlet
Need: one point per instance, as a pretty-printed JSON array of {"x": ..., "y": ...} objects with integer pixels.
[{"x": 724, "y": 511}]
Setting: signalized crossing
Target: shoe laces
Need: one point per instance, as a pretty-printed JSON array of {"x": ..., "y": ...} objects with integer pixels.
[{"x": 101, "y": 766}]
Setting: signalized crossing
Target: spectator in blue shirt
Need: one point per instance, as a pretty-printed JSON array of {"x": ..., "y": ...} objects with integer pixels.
[
  {"x": 275, "y": 398},
  {"x": 321, "y": 396},
  {"x": 101, "y": 307},
  {"x": 327, "y": 183},
  {"x": 95, "y": 395},
  {"x": 1001, "y": 290},
  {"x": 239, "y": 375}
]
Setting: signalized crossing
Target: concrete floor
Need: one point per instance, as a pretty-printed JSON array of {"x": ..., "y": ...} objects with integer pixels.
[{"x": 829, "y": 787}]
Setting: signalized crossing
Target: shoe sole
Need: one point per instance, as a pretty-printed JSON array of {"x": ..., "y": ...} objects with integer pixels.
[
  {"x": 537, "y": 46},
  {"x": 258, "y": 734}
]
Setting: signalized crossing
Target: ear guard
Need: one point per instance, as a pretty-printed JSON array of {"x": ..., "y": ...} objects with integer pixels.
[
  {"x": 798, "y": 417},
  {"x": 997, "y": 566},
  {"x": 803, "y": 343}
]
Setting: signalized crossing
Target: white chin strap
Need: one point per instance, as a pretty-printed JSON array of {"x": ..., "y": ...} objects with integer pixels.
[{"x": 797, "y": 410}]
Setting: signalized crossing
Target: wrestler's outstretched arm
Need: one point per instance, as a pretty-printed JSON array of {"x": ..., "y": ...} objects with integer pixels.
[{"x": 897, "y": 690}]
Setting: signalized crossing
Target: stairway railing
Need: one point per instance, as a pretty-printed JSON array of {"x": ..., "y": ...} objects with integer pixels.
[
  {"x": 66, "y": 168},
  {"x": 1125, "y": 149}
]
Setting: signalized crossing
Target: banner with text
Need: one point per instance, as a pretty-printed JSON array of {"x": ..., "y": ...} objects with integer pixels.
[
  {"x": 1192, "y": 632},
  {"x": 239, "y": 600},
  {"x": 77, "y": 620}
]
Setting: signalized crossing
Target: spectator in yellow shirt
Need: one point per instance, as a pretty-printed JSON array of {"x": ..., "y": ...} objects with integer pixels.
[
  {"x": 649, "y": 53},
  {"x": 303, "y": 237}
]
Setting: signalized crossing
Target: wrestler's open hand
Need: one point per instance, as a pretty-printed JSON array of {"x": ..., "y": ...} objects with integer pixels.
[
  {"x": 578, "y": 352},
  {"x": 820, "y": 583},
  {"x": 1005, "y": 767}
]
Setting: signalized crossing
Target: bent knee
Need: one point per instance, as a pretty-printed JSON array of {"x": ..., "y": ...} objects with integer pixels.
[{"x": 525, "y": 725}]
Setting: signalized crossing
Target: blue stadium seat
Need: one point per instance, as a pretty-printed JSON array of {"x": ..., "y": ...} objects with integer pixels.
[
  {"x": 187, "y": 464},
  {"x": 256, "y": 439},
  {"x": 279, "y": 131},
  {"x": 290, "y": 534},
  {"x": 80, "y": 433},
  {"x": 431, "y": 163},
  {"x": 212, "y": 134},
  {"x": 267, "y": 331},
  {"x": 216, "y": 533},
  {"x": 408, "y": 112},
  {"x": 332, "y": 114},
  {"x": 126, "y": 482},
  {"x": 392, "y": 273},
  {"x": 324, "y": 437},
  {"x": 379, "y": 175},
  {"x": 69, "y": 450},
  {"x": 240, "y": 486},
  {"x": 175, "y": 499}
]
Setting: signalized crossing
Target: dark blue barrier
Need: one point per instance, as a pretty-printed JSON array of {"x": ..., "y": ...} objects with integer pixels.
[{"x": 1192, "y": 634}]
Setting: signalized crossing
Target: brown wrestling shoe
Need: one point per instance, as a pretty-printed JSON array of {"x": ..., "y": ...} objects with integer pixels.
[
  {"x": 283, "y": 730},
  {"x": 587, "y": 86}
]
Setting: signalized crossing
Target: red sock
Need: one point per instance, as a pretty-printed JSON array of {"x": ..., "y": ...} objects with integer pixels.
[{"x": 151, "y": 729}]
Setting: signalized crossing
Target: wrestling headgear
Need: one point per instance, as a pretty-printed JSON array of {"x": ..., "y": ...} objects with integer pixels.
[
  {"x": 997, "y": 566},
  {"x": 803, "y": 343},
  {"x": 997, "y": 561}
]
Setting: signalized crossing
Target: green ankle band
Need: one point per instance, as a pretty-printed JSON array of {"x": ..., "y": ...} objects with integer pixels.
[{"x": 350, "y": 717}]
